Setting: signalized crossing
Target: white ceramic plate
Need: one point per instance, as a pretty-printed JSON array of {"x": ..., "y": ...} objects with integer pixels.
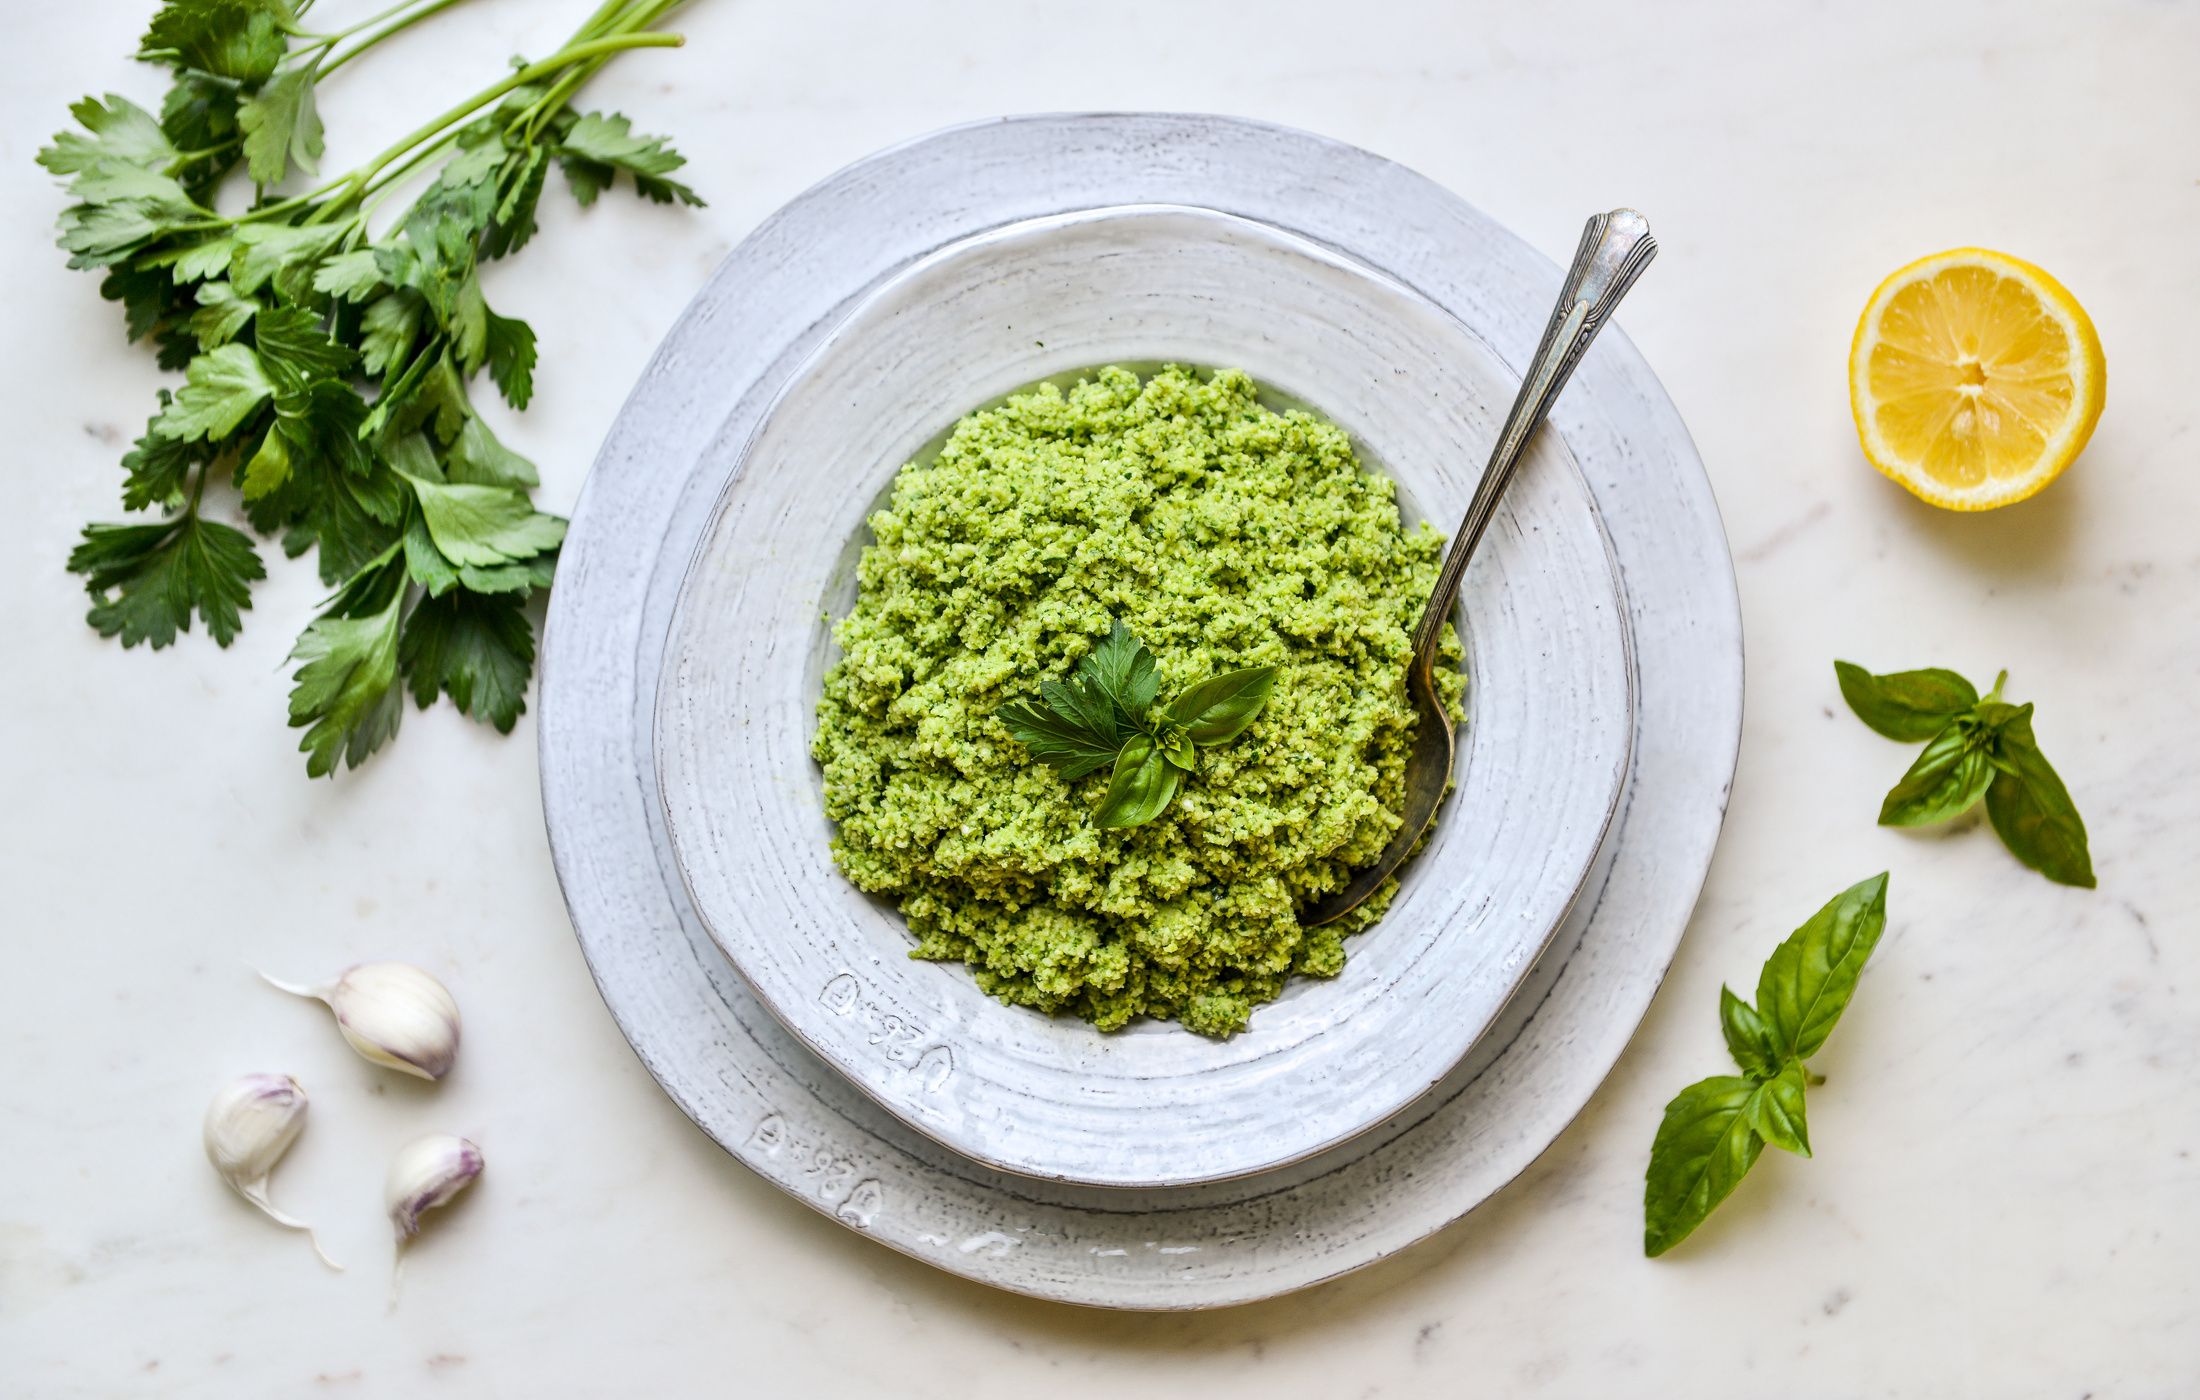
[
  {"x": 786, "y": 1115},
  {"x": 1543, "y": 748}
]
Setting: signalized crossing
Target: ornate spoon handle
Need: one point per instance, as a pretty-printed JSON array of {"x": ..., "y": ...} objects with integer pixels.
[{"x": 1614, "y": 250}]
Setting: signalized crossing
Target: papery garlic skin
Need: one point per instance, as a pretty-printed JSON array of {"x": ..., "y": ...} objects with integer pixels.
[
  {"x": 425, "y": 1174},
  {"x": 249, "y": 1126},
  {"x": 394, "y": 1015}
]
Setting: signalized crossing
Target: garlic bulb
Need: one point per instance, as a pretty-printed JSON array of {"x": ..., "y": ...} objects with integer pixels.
[
  {"x": 425, "y": 1174},
  {"x": 393, "y": 1014},
  {"x": 249, "y": 1126}
]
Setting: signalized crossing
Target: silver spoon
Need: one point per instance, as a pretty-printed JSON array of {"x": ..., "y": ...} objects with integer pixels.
[{"x": 1614, "y": 249}]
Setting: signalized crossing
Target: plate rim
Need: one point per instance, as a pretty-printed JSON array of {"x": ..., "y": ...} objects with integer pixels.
[
  {"x": 589, "y": 774},
  {"x": 772, "y": 993}
]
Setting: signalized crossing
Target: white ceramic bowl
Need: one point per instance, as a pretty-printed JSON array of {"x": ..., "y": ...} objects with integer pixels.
[{"x": 1543, "y": 752}]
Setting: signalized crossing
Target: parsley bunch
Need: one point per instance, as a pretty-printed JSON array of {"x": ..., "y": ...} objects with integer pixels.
[
  {"x": 327, "y": 352},
  {"x": 1104, "y": 715}
]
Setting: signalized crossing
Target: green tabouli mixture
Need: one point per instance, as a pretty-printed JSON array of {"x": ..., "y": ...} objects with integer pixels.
[{"x": 1224, "y": 535}]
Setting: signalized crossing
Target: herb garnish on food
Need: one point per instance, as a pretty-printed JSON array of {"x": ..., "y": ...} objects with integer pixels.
[
  {"x": 283, "y": 315},
  {"x": 1104, "y": 714},
  {"x": 1974, "y": 749},
  {"x": 1221, "y": 533},
  {"x": 1714, "y": 1129}
]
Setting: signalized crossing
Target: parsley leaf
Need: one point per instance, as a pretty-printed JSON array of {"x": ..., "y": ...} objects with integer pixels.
[
  {"x": 116, "y": 132},
  {"x": 222, "y": 388},
  {"x": 147, "y": 580},
  {"x": 513, "y": 222},
  {"x": 477, "y": 649},
  {"x": 511, "y": 344},
  {"x": 296, "y": 351},
  {"x": 223, "y": 314},
  {"x": 158, "y": 468},
  {"x": 282, "y": 126},
  {"x": 351, "y": 276},
  {"x": 199, "y": 115},
  {"x": 125, "y": 209},
  {"x": 387, "y": 331},
  {"x": 344, "y": 693},
  {"x": 479, "y": 459},
  {"x": 327, "y": 352},
  {"x": 240, "y": 39},
  {"x": 597, "y": 146},
  {"x": 199, "y": 261},
  {"x": 484, "y": 524},
  {"x": 285, "y": 254},
  {"x": 268, "y": 468}
]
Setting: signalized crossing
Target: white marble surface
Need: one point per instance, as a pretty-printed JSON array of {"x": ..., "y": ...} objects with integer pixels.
[{"x": 2004, "y": 1200}]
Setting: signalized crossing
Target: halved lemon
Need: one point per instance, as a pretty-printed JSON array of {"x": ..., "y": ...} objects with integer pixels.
[{"x": 1975, "y": 378}]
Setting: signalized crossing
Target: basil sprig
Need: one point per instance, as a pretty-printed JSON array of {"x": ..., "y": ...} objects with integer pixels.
[
  {"x": 1714, "y": 1130},
  {"x": 1105, "y": 714},
  {"x": 1974, "y": 748}
]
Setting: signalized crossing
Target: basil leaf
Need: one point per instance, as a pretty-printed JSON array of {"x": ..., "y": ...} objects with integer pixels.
[
  {"x": 1748, "y": 1038},
  {"x": 1177, "y": 748},
  {"x": 1080, "y": 703},
  {"x": 1218, "y": 709},
  {"x": 1070, "y": 749},
  {"x": 1775, "y": 1111},
  {"x": 1908, "y": 705},
  {"x": 1809, "y": 978},
  {"x": 2031, "y": 809},
  {"x": 1143, "y": 784},
  {"x": 1947, "y": 780},
  {"x": 1123, "y": 670},
  {"x": 1704, "y": 1147}
]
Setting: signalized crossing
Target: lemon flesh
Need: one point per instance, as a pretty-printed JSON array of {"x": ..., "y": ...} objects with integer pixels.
[{"x": 1975, "y": 378}]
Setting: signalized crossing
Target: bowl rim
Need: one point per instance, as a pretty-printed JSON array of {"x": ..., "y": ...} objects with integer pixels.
[{"x": 668, "y": 688}]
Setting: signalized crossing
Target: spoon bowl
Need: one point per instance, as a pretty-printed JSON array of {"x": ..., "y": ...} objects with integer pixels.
[{"x": 1614, "y": 250}]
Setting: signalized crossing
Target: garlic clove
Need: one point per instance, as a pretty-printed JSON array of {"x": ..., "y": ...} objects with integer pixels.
[
  {"x": 249, "y": 1126},
  {"x": 393, "y": 1014},
  {"x": 427, "y": 1172}
]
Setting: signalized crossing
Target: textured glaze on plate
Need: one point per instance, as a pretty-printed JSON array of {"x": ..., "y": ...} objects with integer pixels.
[
  {"x": 789, "y": 1117},
  {"x": 1543, "y": 749}
]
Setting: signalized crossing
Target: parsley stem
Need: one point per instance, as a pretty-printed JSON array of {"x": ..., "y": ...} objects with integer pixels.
[
  {"x": 403, "y": 24},
  {"x": 600, "y": 21},
  {"x": 412, "y": 373},
  {"x": 348, "y": 188},
  {"x": 405, "y": 167},
  {"x": 565, "y": 57},
  {"x": 612, "y": 17},
  {"x": 587, "y": 54}
]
